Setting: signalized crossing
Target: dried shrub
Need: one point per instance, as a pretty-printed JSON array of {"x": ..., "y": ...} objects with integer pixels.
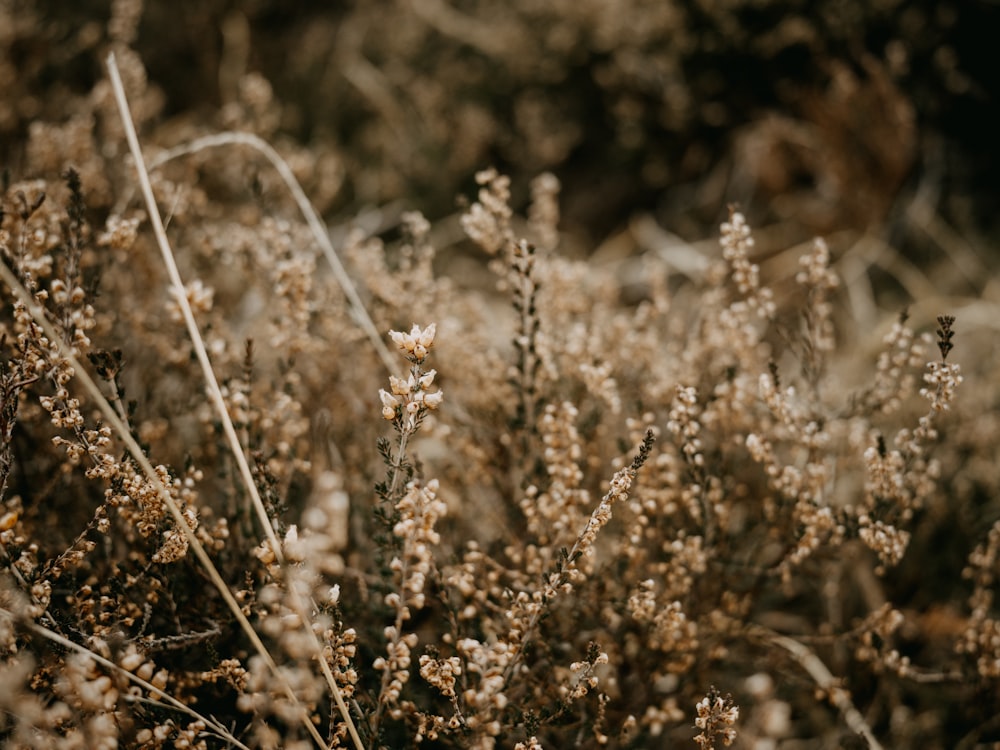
[{"x": 557, "y": 510}]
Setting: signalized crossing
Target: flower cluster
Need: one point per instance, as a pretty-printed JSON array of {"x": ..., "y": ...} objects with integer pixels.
[
  {"x": 618, "y": 491},
  {"x": 409, "y": 399},
  {"x": 419, "y": 511},
  {"x": 487, "y": 221},
  {"x": 717, "y": 715},
  {"x": 410, "y": 396},
  {"x": 942, "y": 379},
  {"x": 395, "y": 665},
  {"x": 441, "y": 673},
  {"x": 885, "y": 540},
  {"x": 417, "y": 343},
  {"x": 894, "y": 379},
  {"x": 737, "y": 243},
  {"x": 684, "y": 424}
]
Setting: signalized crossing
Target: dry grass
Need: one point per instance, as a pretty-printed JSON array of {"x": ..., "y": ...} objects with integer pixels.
[{"x": 262, "y": 489}]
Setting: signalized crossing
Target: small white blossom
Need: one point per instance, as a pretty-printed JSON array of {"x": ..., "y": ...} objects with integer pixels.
[{"x": 417, "y": 343}]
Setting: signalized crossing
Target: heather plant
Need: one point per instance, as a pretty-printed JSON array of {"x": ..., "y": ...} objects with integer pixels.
[{"x": 256, "y": 495}]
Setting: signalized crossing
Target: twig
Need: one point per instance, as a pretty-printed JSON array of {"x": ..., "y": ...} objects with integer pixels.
[
  {"x": 840, "y": 698},
  {"x": 214, "y": 392},
  {"x": 220, "y": 405},
  {"x": 38, "y": 314},
  {"x": 216, "y": 727},
  {"x": 109, "y": 413}
]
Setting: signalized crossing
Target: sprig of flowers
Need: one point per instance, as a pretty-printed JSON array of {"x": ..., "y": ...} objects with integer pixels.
[
  {"x": 417, "y": 343},
  {"x": 412, "y": 516},
  {"x": 409, "y": 399},
  {"x": 717, "y": 714}
]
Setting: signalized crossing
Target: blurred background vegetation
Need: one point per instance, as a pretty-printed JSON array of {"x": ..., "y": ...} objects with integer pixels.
[{"x": 849, "y": 115}]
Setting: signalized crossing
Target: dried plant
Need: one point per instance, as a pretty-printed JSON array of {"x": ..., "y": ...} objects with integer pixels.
[{"x": 240, "y": 510}]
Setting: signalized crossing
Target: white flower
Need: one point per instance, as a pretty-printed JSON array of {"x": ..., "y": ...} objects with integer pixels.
[
  {"x": 417, "y": 342},
  {"x": 399, "y": 386},
  {"x": 426, "y": 337},
  {"x": 389, "y": 404}
]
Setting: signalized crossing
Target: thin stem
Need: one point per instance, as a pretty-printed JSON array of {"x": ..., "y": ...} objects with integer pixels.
[
  {"x": 825, "y": 680},
  {"x": 109, "y": 413},
  {"x": 214, "y": 392},
  {"x": 140, "y": 458},
  {"x": 319, "y": 231},
  {"x": 218, "y": 728}
]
